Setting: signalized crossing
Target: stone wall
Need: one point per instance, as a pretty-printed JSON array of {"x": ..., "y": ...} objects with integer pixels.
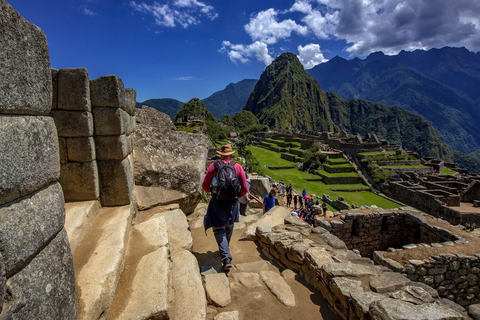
[
  {"x": 95, "y": 121},
  {"x": 37, "y": 280},
  {"x": 352, "y": 285}
]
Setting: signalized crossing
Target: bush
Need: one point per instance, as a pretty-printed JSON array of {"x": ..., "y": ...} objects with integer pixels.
[{"x": 313, "y": 158}]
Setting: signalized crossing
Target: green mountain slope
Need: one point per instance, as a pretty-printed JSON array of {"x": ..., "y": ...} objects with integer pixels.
[
  {"x": 287, "y": 97},
  {"x": 167, "y": 106},
  {"x": 440, "y": 84},
  {"x": 231, "y": 99}
]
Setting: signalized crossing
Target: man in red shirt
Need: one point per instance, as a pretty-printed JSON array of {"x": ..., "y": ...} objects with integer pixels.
[{"x": 221, "y": 215}]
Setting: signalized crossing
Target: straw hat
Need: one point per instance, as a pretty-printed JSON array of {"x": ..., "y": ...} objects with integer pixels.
[{"x": 226, "y": 150}]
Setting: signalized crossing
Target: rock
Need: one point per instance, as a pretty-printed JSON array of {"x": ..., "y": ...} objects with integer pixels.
[
  {"x": 318, "y": 257},
  {"x": 74, "y": 90},
  {"x": 62, "y": 149},
  {"x": 97, "y": 279},
  {"x": 390, "y": 309},
  {"x": 149, "y": 292},
  {"x": 116, "y": 182},
  {"x": 179, "y": 235},
  {"x": 342, "y": 288},
  {"x": 273, "y": 217},
  {"x": 255, "y": 266},
  {"x": 217, "y": 289},
  {"x": 229, "y": 315},
  {"x": 361, "y": 302},
  {"x": 288, "y": 275},
  {"x": 296, "y": 221},
  {"x": 110, "y": 121},
  {"x": 278, "y": 287},
  {"x": 189, "y": 300},
  {"x": 73, "y": 123},
  {"x": 78, "y": 218},
  {"x": 333, "y": 241},
  {"x": 259, "y": 186},
  {"x": 81, "y": 149},
  {"x": 348, "y": 269},
  {"x": 154, "y": 231},
  {"x": 80, "y": 181},
  {"x": 28, "y": 225},
  {"x": 29, "y": 156},
  {"x": 415, "y": 295},
  {"x": 148, "y": 197},
  {"x": 388, "y": 282},
  {"x": 25, "y": 77},
  {"x": 166, "y": 158},
  {"x": 130, "y": 101},
  {"x": 45, "y": 288},
  {"x": 247, "y": 279},
  {"x": 108, "y": 91},
  {"x": 54, "y": 73},
  {"x": 474, "y": 311},
  {"x": 112, "y": 147},
  {"x": 196, "y": 218},
  {"x": 3, "y": 279}
]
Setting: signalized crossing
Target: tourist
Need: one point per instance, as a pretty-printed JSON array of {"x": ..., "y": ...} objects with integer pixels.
[
  {"x": 289, "y": 199},
  {"x": 324, "y": 209},
  {"x": 243, "y": 201},
  {"x": 269, "y": 200},
  {"x": 300, "y": 201},
  {"x": 295, "y": 201},
  {"x": 289, "y": 188},
  {"x": 304, "y": 192},
  {"x": 222, "y": 214}
]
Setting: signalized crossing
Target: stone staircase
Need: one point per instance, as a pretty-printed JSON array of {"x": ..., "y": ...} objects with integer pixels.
[{"x": 134, "y": 267}]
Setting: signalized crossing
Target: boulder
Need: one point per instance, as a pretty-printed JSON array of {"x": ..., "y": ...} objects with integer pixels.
[
  {"x": 80, "y": 149},
  {"x": 390, "y": 309},
  {"x": 318, "y": 256},
  {"x": 333, "y": 241},
  {"x": 228, "y": 315},
  {"x": 474, "y": 311},
  {"x": 179, "y": 235},
  {"x": 154, "y": 231},
  {"x": 108, "y": 91},
  {"x": 28, "y": 225},
  {"x": 388, "y": 282},
  {"x": 247, "y": 279},
  {"x": 348, "y": 269},
  {"x": 74, "y": 89},
  {"x": 45, "y": 288},
  {"x": 25, "y": 77},
  {"x": 260, "y": 186},
  {"x": 342, "y": 288},
  {"x": 361, "y": 302},
  {"x": 273, "y": 217},
  {"x": 279, "y": 287},
  {"x": 80, "y": 181},
  {"x": 166, "y": 158},
  {"x": 217, "y": 289},
  {"x": 148, "y": 197},
  {"x": 29, "y": 155}
]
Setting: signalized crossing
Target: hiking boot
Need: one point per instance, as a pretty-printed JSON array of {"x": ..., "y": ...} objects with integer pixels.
[{"x": 227, "y": 264}]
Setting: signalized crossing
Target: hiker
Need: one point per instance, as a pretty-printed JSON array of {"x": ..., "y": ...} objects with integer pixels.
[
  {"x": 300, "y": 201},
  {"x": 243, "y": 201},
  {"x": 304, "y": 192},
  {"x": 295, "y": 201},
  {"x": 324, "y": 208},
  {"x": 289, "y": 199},
  {"x": 227, "y": 181},
  {"x": 269, "y": 200}
]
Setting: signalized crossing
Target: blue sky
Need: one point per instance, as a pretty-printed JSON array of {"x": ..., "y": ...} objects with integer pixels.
[{"x": 183, "y": 49}]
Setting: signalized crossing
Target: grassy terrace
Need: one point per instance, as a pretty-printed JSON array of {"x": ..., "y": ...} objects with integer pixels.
[
  {"x": 338, "y": 161},
  {"x": 297, "y": 179},
  {"x": 339, "y": 165},
  {"x": 404, "y": 166},
  {"x": 292, "y": 143},
  {"x": 343, "y": 174},
  {"x": 448, "y": 171},
  {"x": 375, "y": 153}
]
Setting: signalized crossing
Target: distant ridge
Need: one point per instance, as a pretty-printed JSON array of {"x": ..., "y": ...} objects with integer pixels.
[
  {"x": 165, "y": 105},
  {"x": 443, "y": 85}
]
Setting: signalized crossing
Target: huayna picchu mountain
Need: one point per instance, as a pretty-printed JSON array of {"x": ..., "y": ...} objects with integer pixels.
[{"x": 286, "y": 97}]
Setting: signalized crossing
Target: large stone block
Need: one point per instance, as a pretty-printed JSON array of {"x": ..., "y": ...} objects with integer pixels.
[
  {"x": 3, "y": 286},
  {"x": 74, "y": 90},
  {"x": 109, "y": 121},
  {"x": 45, "y": 288},
  {"x": 62, "y": 149},
  {"x": 28, "y": 157},
  {"x": 25, "y": 78},
  {"x": 73, "y": 123},
  {"x": 28, "y": 224},
  {"x": 130, "y": 125},
  {"x": 112, "y": 147},
  {"x": 80, "y": 181},
  {"x": 81, "y": 149},
  {"x": 54, "y": 73},
  {"x": 130, "y": 101},
  {"x": 116, "y": 182},
  {"x": 108, "y": 91}
]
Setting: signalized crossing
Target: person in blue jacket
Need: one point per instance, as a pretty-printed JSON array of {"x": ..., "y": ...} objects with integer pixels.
[{"x": 269, "y": 200}]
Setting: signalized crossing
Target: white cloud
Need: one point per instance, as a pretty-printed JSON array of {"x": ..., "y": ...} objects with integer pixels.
[
  {"x": 88, "y": 12},
  {"x": 310, "y": 55},
  {"x": 242, "y": 53},
  {"x": 265, "y": 27},
  {"x": 186, "y": 78},
  {"x": 393, "y": 25},
  {"x": 180, "y": 12}
]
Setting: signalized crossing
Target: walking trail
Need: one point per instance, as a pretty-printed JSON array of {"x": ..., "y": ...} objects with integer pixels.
[{"x": 249, "y": 294}]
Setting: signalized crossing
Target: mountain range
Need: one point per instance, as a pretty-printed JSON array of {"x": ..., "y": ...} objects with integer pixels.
[{"x": 443, "y": 85}]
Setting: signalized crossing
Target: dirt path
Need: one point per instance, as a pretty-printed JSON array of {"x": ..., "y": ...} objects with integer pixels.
[{"x": 258, "y": 303}]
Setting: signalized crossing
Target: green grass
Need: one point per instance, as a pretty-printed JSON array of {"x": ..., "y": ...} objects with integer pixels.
[
  {"x": 404, "y": 166},
  {"x": 375, "y": 153},
  {"x": 294, "y": 144},
  {"x": 448, "y": 171},
  {"x": 342, "y": 174},
  {"x": 338, "y": 160},
  {"x": 268, "y": 157},
  {"x": 340, "y": 165},
  {"x": 296, "y": 178}
]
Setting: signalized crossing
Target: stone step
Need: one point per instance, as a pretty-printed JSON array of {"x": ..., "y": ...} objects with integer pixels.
[
  {"x": 144, "y": 289},
  {"x": 99, "y": 260},
  {"x": 78, "y": 218}
]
